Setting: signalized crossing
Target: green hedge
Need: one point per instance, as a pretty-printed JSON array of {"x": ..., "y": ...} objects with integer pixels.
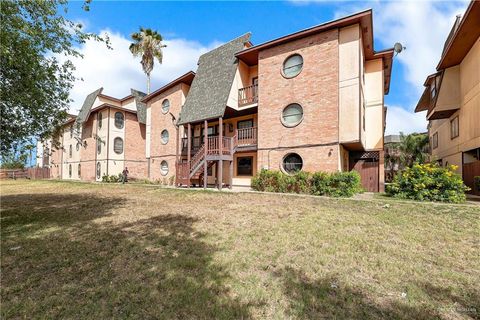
[
  {"x": 428, "y": 182},
  {"x": 112, "y": 178},
  {"x": 337, "y": 184}
]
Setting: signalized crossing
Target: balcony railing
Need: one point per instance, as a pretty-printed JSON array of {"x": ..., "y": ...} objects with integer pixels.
[
  {"x": 247, "y": 137},
  {"x": 248, "y": 95}
]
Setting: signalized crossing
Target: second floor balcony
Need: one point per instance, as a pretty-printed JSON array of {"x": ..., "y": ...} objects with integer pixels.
[
  {"x": 248, "y": 95},
  {"x": 245, "y": 138}
]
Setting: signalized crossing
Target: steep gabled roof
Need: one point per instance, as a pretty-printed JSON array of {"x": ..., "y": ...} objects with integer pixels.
[
  {"x": 141, "y": 107},
  {"x": 211, "y": 86},
  {"x": 87, "y": 106}
]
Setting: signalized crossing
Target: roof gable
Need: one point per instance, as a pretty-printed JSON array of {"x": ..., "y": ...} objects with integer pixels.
[
  {"x": 87, "y": 106},
  {"x": 211, "y": 86},
  {"x": 141, "y": 107}
]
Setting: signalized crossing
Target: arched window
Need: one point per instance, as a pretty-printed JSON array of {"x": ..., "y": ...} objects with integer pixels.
[
  {"x": 119, "y": 120},
  {"x": 99, "y": 119},
  {"x": 78, "y": 146},
  {"x": 292, "y": 163},
  {"x": 292, "y": 66},
  {"x": 292, "y": 115},
  {"x": 70, "y": 151},
  {"x": 79, "y": 170},
  {"x": 99, "y": 170},
  {"x": 69, "y": 170},
  {"x": 164, "y": 168},
  {"x": 165, "y": 136},
  {"x": 99, "y": 146},
  {"x": 118, "y": 145},
  {"x": 165, "y": 106}
]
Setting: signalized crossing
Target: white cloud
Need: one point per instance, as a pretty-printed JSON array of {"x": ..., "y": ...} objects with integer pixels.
[
  {"x": 401, "y": 120},
  {"x": 117, "y": 71}
]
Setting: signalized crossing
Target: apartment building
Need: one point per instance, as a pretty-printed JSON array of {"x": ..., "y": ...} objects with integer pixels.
[
  {"x": 312, "y": 100},
  {"x": 452, "y": 98},
  {"x": 106, "y": 136}
]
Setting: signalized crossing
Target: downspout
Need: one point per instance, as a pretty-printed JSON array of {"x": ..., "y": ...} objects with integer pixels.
[{"x": 108, "y": 139}]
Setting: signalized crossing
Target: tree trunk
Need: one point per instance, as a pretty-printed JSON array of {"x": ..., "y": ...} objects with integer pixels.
[{"x": 148, "y": 83}]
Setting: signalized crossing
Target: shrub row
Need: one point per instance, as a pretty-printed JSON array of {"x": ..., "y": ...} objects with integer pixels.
[
  {"x": 428, "y": 182},
  {"x": 337, "y": 184},
  {"x": 112, "y": 178}
]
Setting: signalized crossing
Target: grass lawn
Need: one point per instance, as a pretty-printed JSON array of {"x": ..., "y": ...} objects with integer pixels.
[{"x": 78, "y": 251}]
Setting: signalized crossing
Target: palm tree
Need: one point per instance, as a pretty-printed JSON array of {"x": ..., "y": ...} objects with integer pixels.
[
  {"x": 413, "y": 148},
  {"x": 148, "y": 44}
]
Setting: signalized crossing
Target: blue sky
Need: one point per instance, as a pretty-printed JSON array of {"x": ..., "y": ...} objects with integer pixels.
[{"x": 192, "y": 28}]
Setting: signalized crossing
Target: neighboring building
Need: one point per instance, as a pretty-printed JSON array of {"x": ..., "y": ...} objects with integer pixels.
[
  {"x": 107, "y": 135},
  {"x": 452, "y": 98},
  {"x": 312, "y": 100}
]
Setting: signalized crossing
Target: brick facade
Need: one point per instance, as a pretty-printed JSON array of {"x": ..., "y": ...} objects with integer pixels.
[
  {"x": 163, "y": 121},
  {"x": 315, "y": 139},
  {"x": 134, "y": 147}
]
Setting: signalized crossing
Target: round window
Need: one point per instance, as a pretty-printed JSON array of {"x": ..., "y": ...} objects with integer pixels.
[
  {"x": 292, "y": 66},
  {"x": 118, "y": 145},
  {"x": 164, "y": 168},
  {"x": 292, "y": 115},
  {"x": 165, "y": 106},
  {"x": 292, "y": 163},
  {"x": 165, "y": 136},
  {"x": 119, "y": 119}
]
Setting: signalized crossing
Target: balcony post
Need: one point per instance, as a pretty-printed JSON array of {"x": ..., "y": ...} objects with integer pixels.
[
  {"x": 189, "y": 148},
  {"x": 220, "y": 151},
  {"x": 205, "y": 147}
]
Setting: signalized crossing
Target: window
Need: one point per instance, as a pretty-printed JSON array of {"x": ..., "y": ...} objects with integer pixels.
[
  {"x": 245, "y": 166},
  {"x": 119, "y": 119},
  {"x": 454, "y": 128},
  {"x": 292, "y": 115},
  {"x": 165, "y": 136},
  {"x": 164, "y": 168},
  {"x": 165, "y": 106},
  {"x": 433, "y": 91},
  {"x": 99, "y": 170},
  {"x": 70, "y": 151},
  {"x": 212, "y": 131},
  {"x": 245, "y": 124},
  {"x": 118, "y": 145},
  {"x": 69, "y": 170},
  {"x": 99, "y": 119},
  {"x": 99, "y": 146},
  {"x": 435, "y": 140},
  {"x": 71, "y": 131},
  {"x": 79, "y": 170},
  {"x": 292, "y": 163},
  {"x": 292, "y": 66},
  {"x": 78, "y": 146}
]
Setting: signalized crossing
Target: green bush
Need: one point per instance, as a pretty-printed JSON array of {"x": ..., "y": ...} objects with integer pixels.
[
  {"x": 338, "y": 184},
  {"x": 428, "y": 182},
  {"x": 112, "y": 178}
]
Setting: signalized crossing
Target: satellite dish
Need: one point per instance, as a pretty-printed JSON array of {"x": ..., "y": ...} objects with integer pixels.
[{"x": 398, "y": 47}]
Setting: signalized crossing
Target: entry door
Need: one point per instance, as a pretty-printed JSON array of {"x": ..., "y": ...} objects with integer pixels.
[{"x": 368, "y": 170}]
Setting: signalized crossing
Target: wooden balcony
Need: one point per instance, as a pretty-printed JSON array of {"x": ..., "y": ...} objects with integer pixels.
[
  {"x": 248, "y": 95},
  {"x": 246, "y": 137}
]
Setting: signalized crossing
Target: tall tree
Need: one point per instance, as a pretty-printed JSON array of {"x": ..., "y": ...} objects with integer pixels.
[
  {"x": 34, "y": 83},
  {"x": 148, "y": 44},
  {"x": 412, "y": 148}
]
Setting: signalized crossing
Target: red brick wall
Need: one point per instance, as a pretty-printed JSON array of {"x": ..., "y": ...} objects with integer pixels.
[
  {"x": 88, "y": 152},
  {"x": 159, "y": 122},
  {"x": 315, "y": 89},
  {"x": 135, "y": 147}
]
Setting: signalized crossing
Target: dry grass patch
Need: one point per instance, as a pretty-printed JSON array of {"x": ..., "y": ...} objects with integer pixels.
[{"x": 73, "y": 250}]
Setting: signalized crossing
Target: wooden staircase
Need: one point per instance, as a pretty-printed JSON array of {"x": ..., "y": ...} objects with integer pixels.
[{"x": 206, "y": 156}]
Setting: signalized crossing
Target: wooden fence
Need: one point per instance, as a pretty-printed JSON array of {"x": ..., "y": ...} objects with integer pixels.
[{"x": 28, "y": 173}]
